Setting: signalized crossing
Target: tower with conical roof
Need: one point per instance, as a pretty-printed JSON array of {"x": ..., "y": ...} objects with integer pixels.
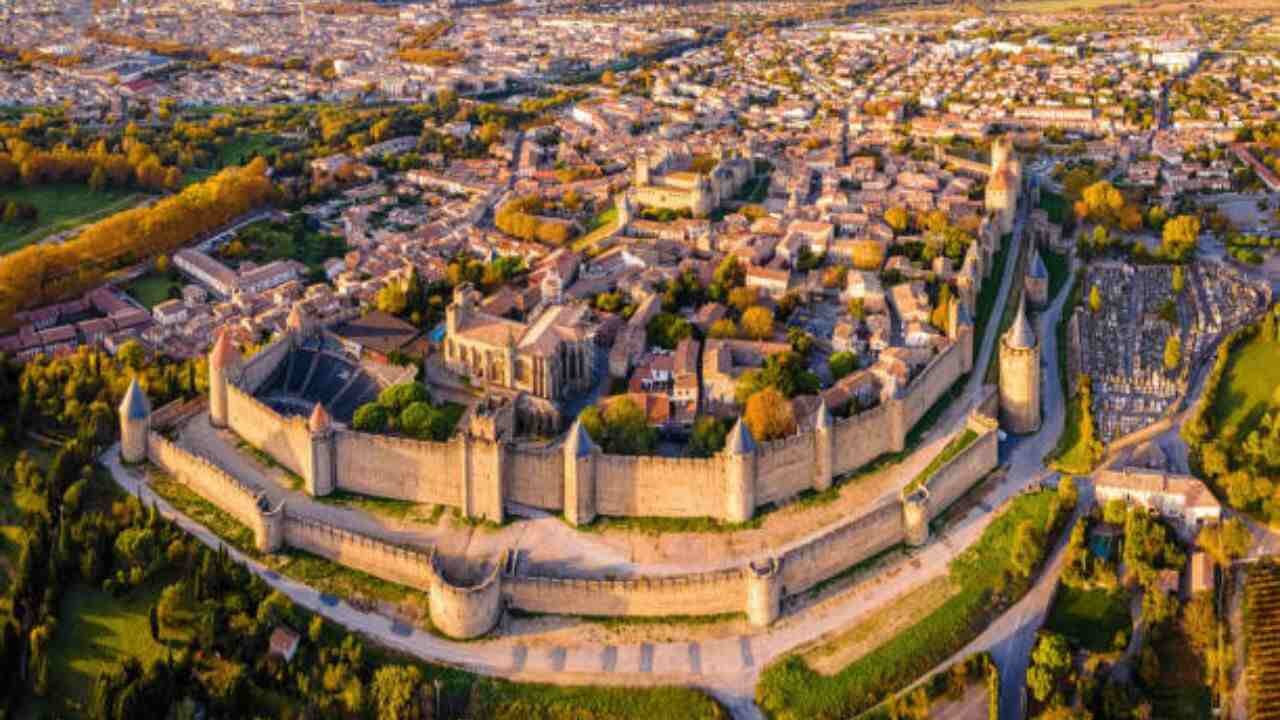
[
  {"x": 824, "y": 447},
  {"x": 579, "y": 476},
  {"x": 320, "y": 471},
  {"x": 135, "y": 424},
  {"x": 740, "y": 473},
  {"x": 1036, "y": 282},
  {"x": 1020, "y": 376},
  {"x": 224, "y": 363}
]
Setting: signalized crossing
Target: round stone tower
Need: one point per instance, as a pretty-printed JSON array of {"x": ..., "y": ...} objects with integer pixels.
[
  {"x": 915, "y": 517},
  {"x": 224, "y": 361},
  {"x": 1001, "y": 151},
  {"x": 135, "y": 424},
  {"x": 764, "y": 592},
  {"x": 320, "y": 475},
  {"x": 1020, "y": 376},
  {"x": 740, "y": 473}
]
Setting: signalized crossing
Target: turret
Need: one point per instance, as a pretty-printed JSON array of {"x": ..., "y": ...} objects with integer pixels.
[
  {"x": 135, "y": 424},
  {"x": 298, "y": 323},
  {"x": 740, "y": 474},
  {"x": 579, "y": 476},
  {"x": 269, "y": 535},
  {"x": 823, "y": 447},
  {"x": 224, "y": 362},
  {"x": 320, "y": 471},
  {"x": 915, "y": 517},
  {"x": 1020, "y": 376},
  {"x": 764, "y": 592}
]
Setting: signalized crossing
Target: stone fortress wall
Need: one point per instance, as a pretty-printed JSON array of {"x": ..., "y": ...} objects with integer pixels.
[
  {"x": 480, "y": 476},
  {"x": 466, "y": 611}
]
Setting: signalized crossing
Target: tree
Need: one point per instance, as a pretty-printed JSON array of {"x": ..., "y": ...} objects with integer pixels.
[
  {"x": 1172, "y": 352},
  {"x": 842, "y": 363},
  {"x": 743, "y": 298},
  {"x": 897, "y": 218},
  {"x": 769, "y": 415},
  {"x": 620, "y": 427},
  {"x": 154, "y": 618},
  {"x": 1095, "y": 300},
  {"x": 392, "y": 299},
  {"x": 707, "y": 437},
  {"x": 1200, "y": 621},
  {"x": 757, "y": 323},
  {"x": 371, "y": 418},
  {"x": 1180, "y": 236},
  {"x": 395, "y": 689},
  {"x": 723, "y": 328},
  {"x": 98, "y": 180},
  {"x": 1178, "y": 281},
  {"x": 1227, "y": 541},
  {"x": 1050, "y": 663}
]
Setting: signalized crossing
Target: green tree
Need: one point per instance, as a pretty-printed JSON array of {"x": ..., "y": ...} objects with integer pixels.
[
  {"x": 370, "y": 418},
  {"x": 769, "y": 415},
  {"x": 1050, "y": 663},
  {"x": 395, "y": 690},
  {"x": 707, "y": 437},
  {"x": 1180, "y": 236},
  {"x": 1172, "y": 352},
  {"x": 757, "y": 323},
  {"x": 842, "y": 363},
  {"x": 897, "y": 218}
]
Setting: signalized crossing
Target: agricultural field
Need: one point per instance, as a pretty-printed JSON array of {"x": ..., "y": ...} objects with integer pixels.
[{"x": 1262, "y": 630}]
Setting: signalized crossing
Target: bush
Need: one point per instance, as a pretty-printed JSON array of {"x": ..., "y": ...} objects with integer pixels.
[
  {"x": 370, "y": 418},
  {"x": 398, "y": 397}
]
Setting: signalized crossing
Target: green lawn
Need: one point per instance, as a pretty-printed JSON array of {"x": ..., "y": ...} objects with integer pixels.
[
  {"x": 1248, "y": 385},
  {"x": 1089, "y": 618},
  {"x": 1076, "y": 452},
  {"x": 61, "y": 207},
  {"x": 153, "y": 288},
  {"x": 1055, "y": 205},
  {"x": 95, "y": 632},
  {"x": 791, "y": 690}
]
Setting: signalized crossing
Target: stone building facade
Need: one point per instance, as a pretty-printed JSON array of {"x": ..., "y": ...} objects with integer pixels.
[
  {"x": 661, "y": 183},
  {"x": 1004, "y": 185},
  {"x": 553, "y": 357}
]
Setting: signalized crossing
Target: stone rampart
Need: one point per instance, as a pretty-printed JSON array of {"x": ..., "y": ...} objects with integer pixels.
[
  {"x": 464, "y": 611},
  {"x": 286, "y": 439},
  {"x": 399, "y": 468},
  {"x": 713, "y": 593},
  {"x": 256, "y": 370},
  {"x": 534, "y": 476},
  {"x": 480, "y": 477},
  {"x": 931, "y": 384},
  {"x": 242, "y": 502},
  {"x": 959, "y": 474},
  {"x": 785, "y": 468},
  {"x": 398, "y": 564},
  {"x": 842, "y": 547},
  {"x": 863, "y": 437},
  {"x": 628, "y": 486}
]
